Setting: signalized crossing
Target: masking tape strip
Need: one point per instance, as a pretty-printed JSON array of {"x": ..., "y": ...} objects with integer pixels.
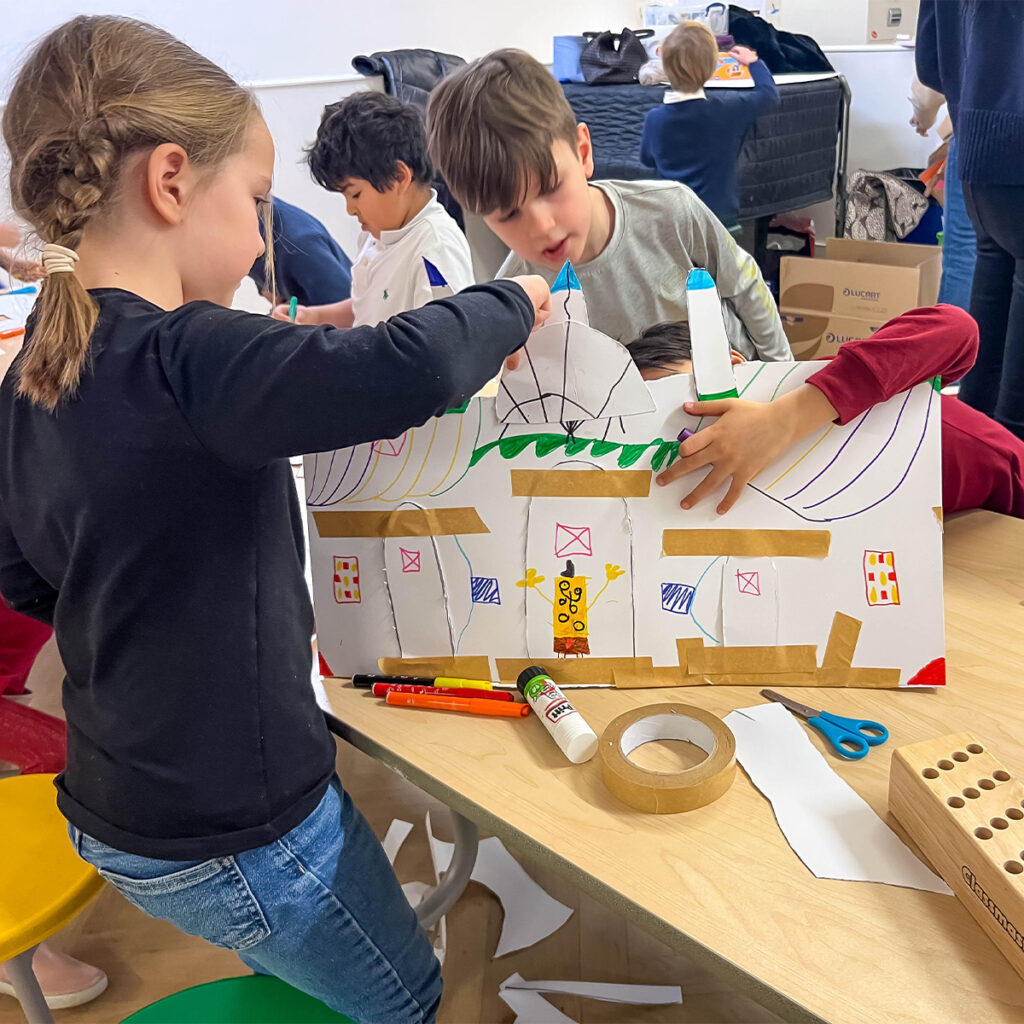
[
  {"x": 465, "y": 667},
  {"x": 842, "y": 641},
  {"x": 719, "y": 660},
  {"x": 667, "y": 792},
  {"x": 573, "y": 483},
  {"x": 580, "y": 670},
  {"x": 412, "y": 522},
  {"x": 752, "y": 543}
]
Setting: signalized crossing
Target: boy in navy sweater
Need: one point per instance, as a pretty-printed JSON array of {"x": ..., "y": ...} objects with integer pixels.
[{"x": 695, "y": 138}]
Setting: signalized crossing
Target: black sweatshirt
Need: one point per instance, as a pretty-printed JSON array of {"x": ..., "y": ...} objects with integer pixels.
[{"x": 153, "y": 521}]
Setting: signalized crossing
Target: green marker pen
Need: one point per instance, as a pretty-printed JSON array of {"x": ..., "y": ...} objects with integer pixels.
[{"x": 293, "y": 309}]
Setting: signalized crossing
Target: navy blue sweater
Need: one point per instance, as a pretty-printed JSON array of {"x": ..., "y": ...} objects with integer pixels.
[
  {"x": 153, "y": 521},
  {"x": 308, "y": 262},
  {"x": 972, "y": 51},
  {"x": 698, "y": 141}
]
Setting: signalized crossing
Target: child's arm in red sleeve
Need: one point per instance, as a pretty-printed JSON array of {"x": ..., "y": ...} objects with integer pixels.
[{"x": 921, "y": 344}]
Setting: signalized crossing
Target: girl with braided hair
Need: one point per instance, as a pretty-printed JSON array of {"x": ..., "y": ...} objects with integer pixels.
[{"x": 147, "y": 510}]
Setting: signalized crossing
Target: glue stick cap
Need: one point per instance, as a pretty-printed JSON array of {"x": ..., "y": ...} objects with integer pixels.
[
  {"x": 580, "y": 741},
  {"x": 530, "y": 673}
]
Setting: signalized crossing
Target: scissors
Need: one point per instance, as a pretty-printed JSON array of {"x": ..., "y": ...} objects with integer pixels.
[{"x": 849, "y": 737}]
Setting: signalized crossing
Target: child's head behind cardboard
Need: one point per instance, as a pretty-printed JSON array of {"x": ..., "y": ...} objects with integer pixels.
[
  {"x": 507, "y": 143},
  {"x": 372, "y": 149},
  {"x": 689, "y": 54}
]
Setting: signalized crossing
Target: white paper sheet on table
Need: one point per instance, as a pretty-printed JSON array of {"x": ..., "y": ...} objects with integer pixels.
[
  {"x": 526, "y": 998},
  {"x": 830, "y": 828},
  {"x": 530, "y": 913}
]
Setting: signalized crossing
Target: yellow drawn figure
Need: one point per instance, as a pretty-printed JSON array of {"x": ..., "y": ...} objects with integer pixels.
[{"x": 570, "y": 606}]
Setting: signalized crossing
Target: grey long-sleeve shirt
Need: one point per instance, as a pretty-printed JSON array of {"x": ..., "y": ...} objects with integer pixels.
[{"x": 661, "y": 232}]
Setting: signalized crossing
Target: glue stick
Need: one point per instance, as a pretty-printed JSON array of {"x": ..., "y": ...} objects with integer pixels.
[{"x": 574, "y": 737}]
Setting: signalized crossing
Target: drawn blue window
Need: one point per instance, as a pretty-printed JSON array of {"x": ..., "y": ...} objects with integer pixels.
[
  {"x": 676, "y": 597},
  {"x": 484, "y": 590}
]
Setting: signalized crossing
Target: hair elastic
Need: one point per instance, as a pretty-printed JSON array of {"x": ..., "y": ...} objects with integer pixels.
[{"x": 58, "y": 259}]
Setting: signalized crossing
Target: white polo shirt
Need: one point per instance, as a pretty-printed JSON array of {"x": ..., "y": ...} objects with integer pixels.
[{"x": 389, "y": 276}]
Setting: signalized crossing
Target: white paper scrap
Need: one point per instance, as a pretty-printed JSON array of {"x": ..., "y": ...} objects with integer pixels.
[
  {"x": 830, "y": 828},
  {"x": 398, "y": 832},
  {"x": 530, "y": 913},
  {"x": 636, "y": 995},
  {"x": 530, "y": 1007}
]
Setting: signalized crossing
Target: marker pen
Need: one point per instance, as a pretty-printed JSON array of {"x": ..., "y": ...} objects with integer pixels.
[
  {"x": 363, "y": 681},
  {"x": 568, "y": 729},
  {"x": 293, "y": 308},
  {"x": 496, "y": 708},
  {"x": 383, "y": 689}
]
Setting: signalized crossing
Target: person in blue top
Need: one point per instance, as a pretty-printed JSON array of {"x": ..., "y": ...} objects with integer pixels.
[
  {"x": 694, "y": 137},
  {"x": 308, "y": 263},
  {"x": 971, "y": 53}
]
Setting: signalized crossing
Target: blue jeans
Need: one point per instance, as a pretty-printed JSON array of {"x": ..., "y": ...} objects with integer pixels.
[
  {"x": 958, "y": 241},
  {"x": 320, "y": 908}
]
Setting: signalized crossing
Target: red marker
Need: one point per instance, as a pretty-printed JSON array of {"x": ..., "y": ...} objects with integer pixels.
[{"x": 383, "y": 689}]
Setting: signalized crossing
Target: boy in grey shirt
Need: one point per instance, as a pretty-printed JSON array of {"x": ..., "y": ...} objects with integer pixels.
[{"x": 507, "y": 143}]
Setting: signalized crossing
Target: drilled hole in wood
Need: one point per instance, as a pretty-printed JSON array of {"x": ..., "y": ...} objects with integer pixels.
[
  {"x": 983, "y": 833},
  {"x": 999, "y": 823},
  {"x": 958, "y": 801},
  {"x": 1014, "y": 867},
  {"x": 986, "y": 784},
  {"x": 930, "y": 773},
  {"x": 960, "y": 756},
  {"x": 1014, "y": 812},
  {"x": 971, "y": 793},
  {"x": 1001, "y": 776},
  {"x": 946, "y": 766},
  {"x": 975, "y": 748}
]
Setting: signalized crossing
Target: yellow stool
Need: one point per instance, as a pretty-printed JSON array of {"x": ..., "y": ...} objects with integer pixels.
[{"x": 46, "y": 883}]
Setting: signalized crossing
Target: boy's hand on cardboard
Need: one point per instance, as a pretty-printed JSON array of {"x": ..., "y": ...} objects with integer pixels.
[
  {"x": 745, "y": 438},
  {"x": 744, "y": 54}
]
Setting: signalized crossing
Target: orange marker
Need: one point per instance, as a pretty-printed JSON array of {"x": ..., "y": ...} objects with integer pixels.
[{"x": 502, "y": 709}]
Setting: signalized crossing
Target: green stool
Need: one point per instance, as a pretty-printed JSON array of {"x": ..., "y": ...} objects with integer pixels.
[{"x": 252, "y": 999}]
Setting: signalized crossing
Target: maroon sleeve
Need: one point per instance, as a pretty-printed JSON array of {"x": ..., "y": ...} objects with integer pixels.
[{"x": 921, "y": 344}]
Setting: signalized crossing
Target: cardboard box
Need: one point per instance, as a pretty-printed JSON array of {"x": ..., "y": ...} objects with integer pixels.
[
  {"x": 871, "y": 281},
  {"x": 819, "y": 335}
]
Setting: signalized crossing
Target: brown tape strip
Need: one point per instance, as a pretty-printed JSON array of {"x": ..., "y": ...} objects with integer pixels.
[
  {"x": 577, "y": 670},
  {"x": 667, "y": 792},
  {"x": 572, "y": 483},
  {"x": 753, "y": 543},
  {"x": 842, "y": 641},
  {"x": 465, "y": 667},
  {"x": 713, "y": 661},
  {"x": 411, "y": 522},
  {"x": 863, "y": 678}
]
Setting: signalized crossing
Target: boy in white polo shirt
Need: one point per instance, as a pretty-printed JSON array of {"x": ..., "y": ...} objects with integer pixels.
[{"x": 372, "y": 149}]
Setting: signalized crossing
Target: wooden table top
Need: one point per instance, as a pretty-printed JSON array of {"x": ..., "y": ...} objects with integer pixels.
[{"x": 720, "y": 883}]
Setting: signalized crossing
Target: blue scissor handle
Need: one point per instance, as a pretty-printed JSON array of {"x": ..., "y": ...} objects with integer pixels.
[{"x": 850, "y": 737}]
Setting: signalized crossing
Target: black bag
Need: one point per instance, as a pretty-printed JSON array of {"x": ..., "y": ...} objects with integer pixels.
[{"x": 613, "y": 58}]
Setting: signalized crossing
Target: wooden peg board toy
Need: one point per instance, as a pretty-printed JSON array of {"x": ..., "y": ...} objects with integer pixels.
[{"x": 966, "y": 813}]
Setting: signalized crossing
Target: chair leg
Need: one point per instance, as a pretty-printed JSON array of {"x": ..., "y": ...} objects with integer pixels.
[
  {"x": 456, "y": 878},
  {"x": 26, "y": 988}
]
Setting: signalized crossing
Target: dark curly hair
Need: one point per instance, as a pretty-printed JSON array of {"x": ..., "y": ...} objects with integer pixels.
[{"x": 365, "y": 136}]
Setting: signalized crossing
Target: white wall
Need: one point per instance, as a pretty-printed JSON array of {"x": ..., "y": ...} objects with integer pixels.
[{"x": 265, "y": 40}]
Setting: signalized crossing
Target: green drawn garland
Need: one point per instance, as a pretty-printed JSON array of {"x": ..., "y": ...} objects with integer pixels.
[{"x": 665, "y": 453}]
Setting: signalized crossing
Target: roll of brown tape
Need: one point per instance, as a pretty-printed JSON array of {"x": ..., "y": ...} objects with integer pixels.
[{"x": 667, "y": 792}]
